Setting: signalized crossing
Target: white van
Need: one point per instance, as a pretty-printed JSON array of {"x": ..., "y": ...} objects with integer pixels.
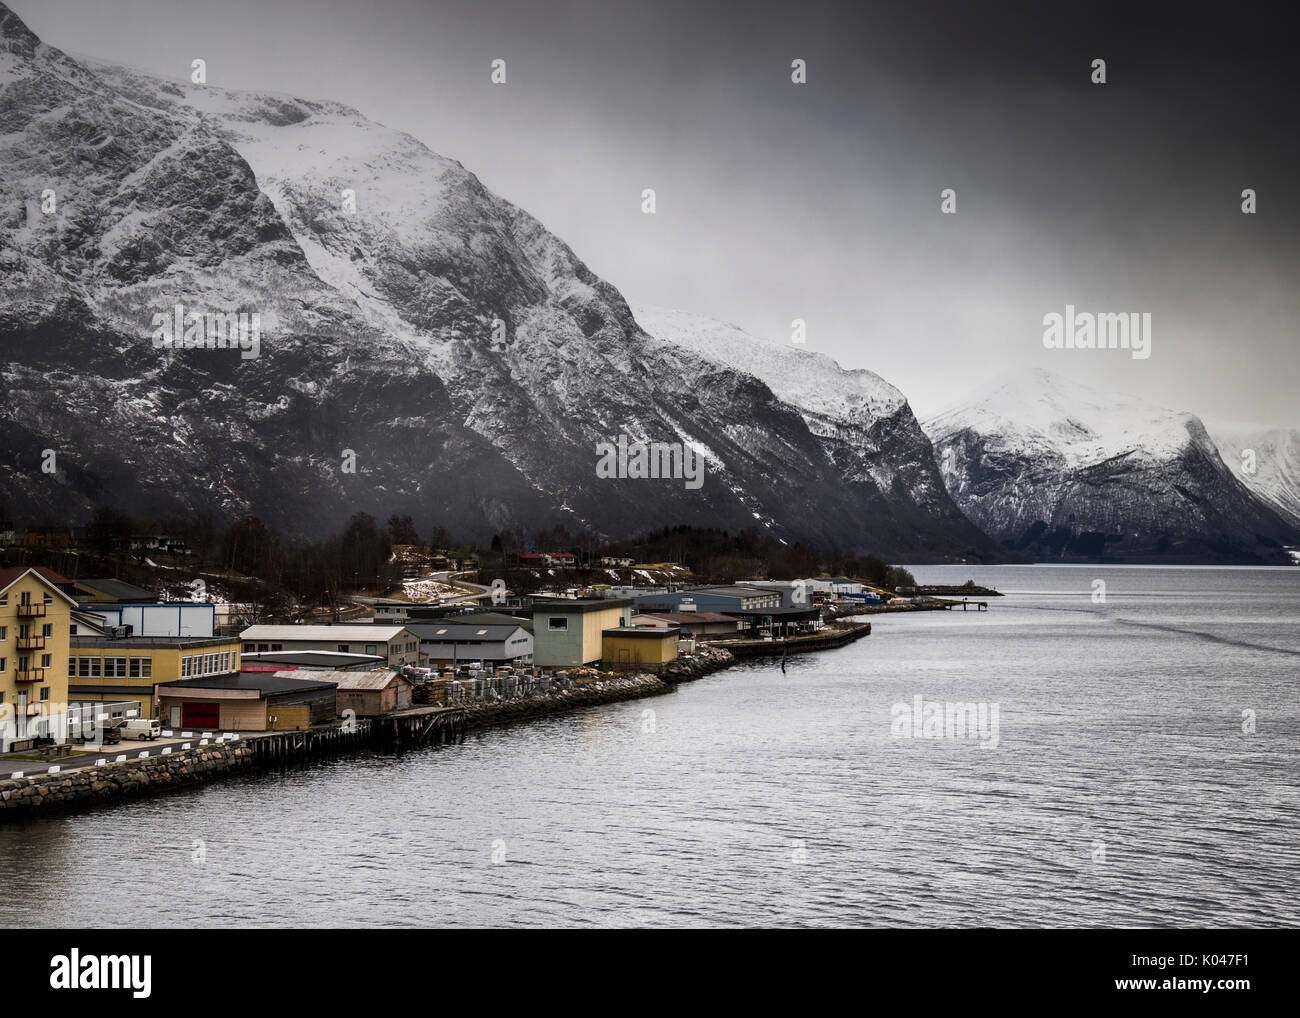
[{"x": 142, "y": 728}]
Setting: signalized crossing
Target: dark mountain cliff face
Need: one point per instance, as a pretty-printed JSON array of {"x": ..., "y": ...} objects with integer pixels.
[{"x": 377, "y": 337}]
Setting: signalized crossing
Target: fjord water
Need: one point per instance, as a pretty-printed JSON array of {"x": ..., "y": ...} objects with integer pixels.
[{"x": 1124, "y": 790}]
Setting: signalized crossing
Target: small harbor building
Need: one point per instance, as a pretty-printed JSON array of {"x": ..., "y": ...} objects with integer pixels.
[
  {"x": 701, "y": 626},
  {"x": 570, "y": 632},
  {"x": 639, "y": 648},
  {"x": 248, "y": 702},
  {"x": 495, "y": 640},
  {"x": 366, "y": 694}
]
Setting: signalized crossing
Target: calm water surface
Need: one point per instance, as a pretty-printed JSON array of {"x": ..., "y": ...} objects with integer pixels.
[{"x": 1123, "y": 790}]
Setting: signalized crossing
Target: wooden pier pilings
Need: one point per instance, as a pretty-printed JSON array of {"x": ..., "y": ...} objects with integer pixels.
[{"x": 423, "y": 726}]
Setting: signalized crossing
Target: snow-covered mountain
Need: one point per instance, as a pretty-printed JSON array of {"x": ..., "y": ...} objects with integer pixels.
[
  {"x": 380, "y": 271},
  {"x": 1056, "y": 469},
  {"x": 864, "y": 425},
  {"x": 1265, "y": 460}
]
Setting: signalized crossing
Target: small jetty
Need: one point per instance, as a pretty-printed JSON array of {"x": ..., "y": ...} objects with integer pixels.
[{"x": 838, "y": 635}]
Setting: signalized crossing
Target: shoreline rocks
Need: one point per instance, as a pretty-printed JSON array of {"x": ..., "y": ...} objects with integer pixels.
[{"x": 85, "y": 786}]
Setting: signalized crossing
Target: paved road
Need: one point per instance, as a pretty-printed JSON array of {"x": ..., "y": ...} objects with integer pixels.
[{"x": 130, "y": 748}]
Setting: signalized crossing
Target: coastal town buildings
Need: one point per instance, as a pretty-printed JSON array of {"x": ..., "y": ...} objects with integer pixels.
[{"x": 396, "y": 644}]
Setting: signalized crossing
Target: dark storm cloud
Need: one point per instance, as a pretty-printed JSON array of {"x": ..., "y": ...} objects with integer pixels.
[{"x": 821, "y": 201}]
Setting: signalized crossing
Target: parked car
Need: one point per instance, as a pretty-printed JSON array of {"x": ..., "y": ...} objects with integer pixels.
[
  {"x": 113, "y": 734},
  {"x": 142, "y": 728}
]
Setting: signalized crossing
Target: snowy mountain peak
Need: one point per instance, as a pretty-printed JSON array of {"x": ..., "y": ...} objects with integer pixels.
[
  {"x": 1034, "y": 408},
  {"x": 1057, "y": 469},
  {"x": 799, "y": 376}
]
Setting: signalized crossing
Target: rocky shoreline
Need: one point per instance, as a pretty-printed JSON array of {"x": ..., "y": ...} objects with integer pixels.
[
  {"x": 593, "y": 688},
  {"x": 86, "y": 786},
  {"x": 114, "y": 781}
]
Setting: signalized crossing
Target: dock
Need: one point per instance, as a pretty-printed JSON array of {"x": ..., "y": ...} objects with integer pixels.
[
  {"x": 964, "y": 603},
  {"x": 841, "y": 634},
  {"x": 401, "y": 730}
]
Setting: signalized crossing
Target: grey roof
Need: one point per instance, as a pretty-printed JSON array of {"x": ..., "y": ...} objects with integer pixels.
[
  {"x": 647, "y": 632},
  {"x": 263, "y": 682},
  {"x": 446, "y": 632},
  {"x": 578, "y": 605},
  {"x": 484, "y": 618},
  {"x": 324, "y": 658},
  {"x": 732, "y": 590},
  {"x": 149, "y": 642}
]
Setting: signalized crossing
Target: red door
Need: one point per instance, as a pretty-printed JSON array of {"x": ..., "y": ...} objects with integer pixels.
[{"x": 200, "y": 714}]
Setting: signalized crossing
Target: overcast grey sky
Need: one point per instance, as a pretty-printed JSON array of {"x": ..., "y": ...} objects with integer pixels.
[{"x": 821, "y": 201}]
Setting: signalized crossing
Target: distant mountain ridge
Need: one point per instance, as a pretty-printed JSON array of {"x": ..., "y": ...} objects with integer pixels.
[
  {"x": 864, "y": 425},
  {"x": 1265, "y": 460},
  {"x": 1056, "y": 469}
]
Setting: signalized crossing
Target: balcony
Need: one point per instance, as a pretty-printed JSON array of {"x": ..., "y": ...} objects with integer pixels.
[
  {"x": 31, "y": 611},
  {"x": 31, "y": 643},
  {"x": 29, "y": 675}
]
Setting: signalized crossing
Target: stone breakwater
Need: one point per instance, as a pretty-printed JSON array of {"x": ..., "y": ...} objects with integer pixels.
[
  {"x": 87, "y": 785},
  {"x": 591, "y": 688}
]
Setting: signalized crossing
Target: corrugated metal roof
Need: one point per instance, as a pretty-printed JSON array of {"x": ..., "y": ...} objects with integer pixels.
[
  {"x": 349, "y": 680},
  {"x": 344, "y": 633}
]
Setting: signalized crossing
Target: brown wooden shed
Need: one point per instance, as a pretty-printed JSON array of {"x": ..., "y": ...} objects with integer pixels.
[{"x": 371, "y": 693}]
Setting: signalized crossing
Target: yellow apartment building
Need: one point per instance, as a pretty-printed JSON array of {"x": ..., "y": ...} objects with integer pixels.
[{"x": 35, "y": 621}]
